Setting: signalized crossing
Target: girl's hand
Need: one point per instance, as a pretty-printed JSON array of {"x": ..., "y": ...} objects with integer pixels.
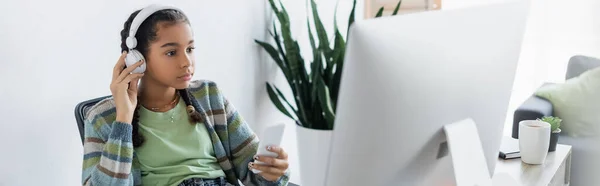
[
  {"x": 124, "y": 87},
  {"x": 275, "y": 167}
]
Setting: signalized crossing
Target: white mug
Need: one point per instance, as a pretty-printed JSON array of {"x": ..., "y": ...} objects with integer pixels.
[{"x": 534, "y": 140}]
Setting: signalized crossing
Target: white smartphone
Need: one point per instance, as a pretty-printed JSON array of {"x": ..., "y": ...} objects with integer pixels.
[{"x": 272, "y": 135}]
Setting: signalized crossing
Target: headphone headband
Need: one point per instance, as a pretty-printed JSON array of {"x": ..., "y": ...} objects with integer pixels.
[{"x": 131, "y": 41}]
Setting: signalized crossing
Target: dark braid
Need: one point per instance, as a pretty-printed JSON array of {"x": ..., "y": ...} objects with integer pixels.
[
  {"x": 145, "y": 35},
  {"x": 138, "y": 139},
  {"x": 195, "y": 116}
]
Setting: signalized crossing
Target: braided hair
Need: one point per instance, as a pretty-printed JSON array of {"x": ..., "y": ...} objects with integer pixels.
[{"x": 145, "y": 35}]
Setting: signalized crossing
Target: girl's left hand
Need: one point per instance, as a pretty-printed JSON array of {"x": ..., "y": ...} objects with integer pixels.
[{"x": 274, "y": 167}]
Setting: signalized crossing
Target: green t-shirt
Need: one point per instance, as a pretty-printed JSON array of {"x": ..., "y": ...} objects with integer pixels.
[{"x": 174, "y": 150}]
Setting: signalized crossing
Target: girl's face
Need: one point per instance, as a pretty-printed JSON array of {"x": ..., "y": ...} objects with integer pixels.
[{"x": 170, "y": 59}]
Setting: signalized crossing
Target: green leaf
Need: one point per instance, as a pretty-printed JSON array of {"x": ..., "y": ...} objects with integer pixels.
[
  {"x": 351, "y": 18},
  {"x": 338, "y": 52},
  {"x": 294, "y": 63},
  {"x": 321, "y": 33},
  {"x": 270, "y": 33},
  {"x": 318, "y": 118},
  {"x": 553, "y": 121},
  {"x": 379, "y": 13},
  {"x": 273, "y": 6},
  {"x": 285, "y": 99},
  {"x": 284, "y": 12},
  {"x": 275, "y": 56},
  {"x": 291, "y": 81},
  {"x": 338, "y": 43},
  {"x": 335, "y": 83},
  {"x": 397, "y": 8},
  {"x": 317, "y": 66},
  {"x": 277, "y": 102},
  {"x": 312, "y": 41},
  {"x": 279, "y": 47},
  {"x": 304, "y": 83},
  {"x": 275, "y": 9},
  {"x": 325, "y": 101}
]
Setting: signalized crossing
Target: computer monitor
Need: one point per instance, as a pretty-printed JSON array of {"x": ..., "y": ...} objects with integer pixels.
[{"x": 408, "y": 76}]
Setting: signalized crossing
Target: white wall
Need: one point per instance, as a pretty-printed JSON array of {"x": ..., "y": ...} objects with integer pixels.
[
  {"x": 57, "y": 53},
  {"x": 556, "y": 31}
]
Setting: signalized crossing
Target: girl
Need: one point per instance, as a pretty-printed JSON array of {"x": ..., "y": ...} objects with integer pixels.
[{"x": 170, "y": 130}]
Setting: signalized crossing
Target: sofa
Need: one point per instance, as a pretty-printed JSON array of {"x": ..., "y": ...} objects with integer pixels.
[{"x": 585, "y": 157}]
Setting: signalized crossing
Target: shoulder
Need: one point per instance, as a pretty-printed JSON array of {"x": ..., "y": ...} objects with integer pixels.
[
  {"x": 101, "y": 113},
  {"x": 204, "y": 89}
]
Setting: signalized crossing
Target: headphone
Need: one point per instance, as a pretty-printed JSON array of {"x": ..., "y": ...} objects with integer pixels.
[{"x": 134, "y": 55}]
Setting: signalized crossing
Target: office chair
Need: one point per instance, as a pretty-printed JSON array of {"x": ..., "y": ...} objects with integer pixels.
[{"x": 81, "y": 111}]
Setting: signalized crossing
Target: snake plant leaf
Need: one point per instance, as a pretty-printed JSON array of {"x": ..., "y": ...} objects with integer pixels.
[
  {"x": 315, "y": 52},
  {"x": 338, "y": 44},
  {"x": 315, "y": 87},
  {"x": 286, "y": 100},
  {"x": 338, "y": 51},
  {"x": 277, "y": 39},
  {"x": 397, "y": 8},
  {"x": 300, "y": 77},
  {"x": 379, "y": 13},
  {"x": 273, "y": 6},
  {"x": 317, "y": 66},
  {"x": 321, "y": 33},
  {"x": 335, "y": 83},
  {"x": 325, "y": 101},
  {"x": 293, "y": 58},
  {"x": 351, "y": 17},
  {"x": 277, "y": 102},
  {"x": 275, "y": 56}
]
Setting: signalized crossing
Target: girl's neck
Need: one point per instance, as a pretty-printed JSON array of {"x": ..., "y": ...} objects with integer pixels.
[{"x": 155, "y": 95}]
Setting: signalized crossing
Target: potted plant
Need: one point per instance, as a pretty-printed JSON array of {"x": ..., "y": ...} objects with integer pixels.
[
  {"x": 555, "y": 129},
  {"x": 315, "y": 90}
]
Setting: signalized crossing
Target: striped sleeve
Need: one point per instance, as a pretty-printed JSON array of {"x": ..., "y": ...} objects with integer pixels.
[
  {"x": 108, "y": 153},
  {"x": 244, "y": 145}
]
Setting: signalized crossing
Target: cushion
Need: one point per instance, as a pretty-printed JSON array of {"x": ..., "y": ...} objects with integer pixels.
[
  {"x": 579, "y": 64},
  {"x": 577, "y": 102}
]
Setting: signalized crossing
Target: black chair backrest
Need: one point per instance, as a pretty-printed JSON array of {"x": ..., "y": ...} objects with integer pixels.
[{"x": 81, "y": 111}]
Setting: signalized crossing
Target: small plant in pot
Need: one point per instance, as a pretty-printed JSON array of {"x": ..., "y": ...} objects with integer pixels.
[{"x": 555, "y": 129}]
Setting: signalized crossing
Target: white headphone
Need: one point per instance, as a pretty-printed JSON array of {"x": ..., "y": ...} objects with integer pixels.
[{"x": 134, "y": 55}]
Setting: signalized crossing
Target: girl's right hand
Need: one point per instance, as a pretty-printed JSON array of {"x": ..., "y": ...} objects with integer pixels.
[{"x": 124, "y": 89}]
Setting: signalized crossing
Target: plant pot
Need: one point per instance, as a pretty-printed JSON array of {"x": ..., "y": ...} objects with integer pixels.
[
  {"x": 554, "y": 140},
  {"x": 313, "y": 154}
]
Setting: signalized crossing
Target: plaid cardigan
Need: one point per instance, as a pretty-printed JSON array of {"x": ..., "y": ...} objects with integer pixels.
[{"x": 109, "y": 157}]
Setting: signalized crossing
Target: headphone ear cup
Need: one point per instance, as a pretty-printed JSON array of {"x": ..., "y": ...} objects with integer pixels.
[{"x": 133, "y": 56}]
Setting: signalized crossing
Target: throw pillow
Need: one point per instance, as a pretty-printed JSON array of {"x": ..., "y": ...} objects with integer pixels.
[{"x": 577, "y": 103}]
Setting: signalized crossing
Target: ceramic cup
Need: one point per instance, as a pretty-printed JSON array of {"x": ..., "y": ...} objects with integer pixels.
[{"x": 534, "y": 140}]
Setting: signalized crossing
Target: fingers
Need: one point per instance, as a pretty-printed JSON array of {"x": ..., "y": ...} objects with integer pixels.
[
  {"x": 128, "y": 71},
  {"x": 278, "y": 163},
  {"x": 132, "y": 77},
  {"x": 267, "y": 169},
  {"x": 280, "y": 152},
  {"x": 119, "y": 66}
]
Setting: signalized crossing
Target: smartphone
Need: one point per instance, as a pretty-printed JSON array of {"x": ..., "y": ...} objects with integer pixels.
[{"x": 272, "y": 135}]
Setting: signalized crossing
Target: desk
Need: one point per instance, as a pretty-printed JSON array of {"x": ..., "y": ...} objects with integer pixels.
[{"x": 555, "y": 170}]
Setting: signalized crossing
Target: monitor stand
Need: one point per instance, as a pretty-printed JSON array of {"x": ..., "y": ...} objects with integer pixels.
[{"x": 468, "y": 159}]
